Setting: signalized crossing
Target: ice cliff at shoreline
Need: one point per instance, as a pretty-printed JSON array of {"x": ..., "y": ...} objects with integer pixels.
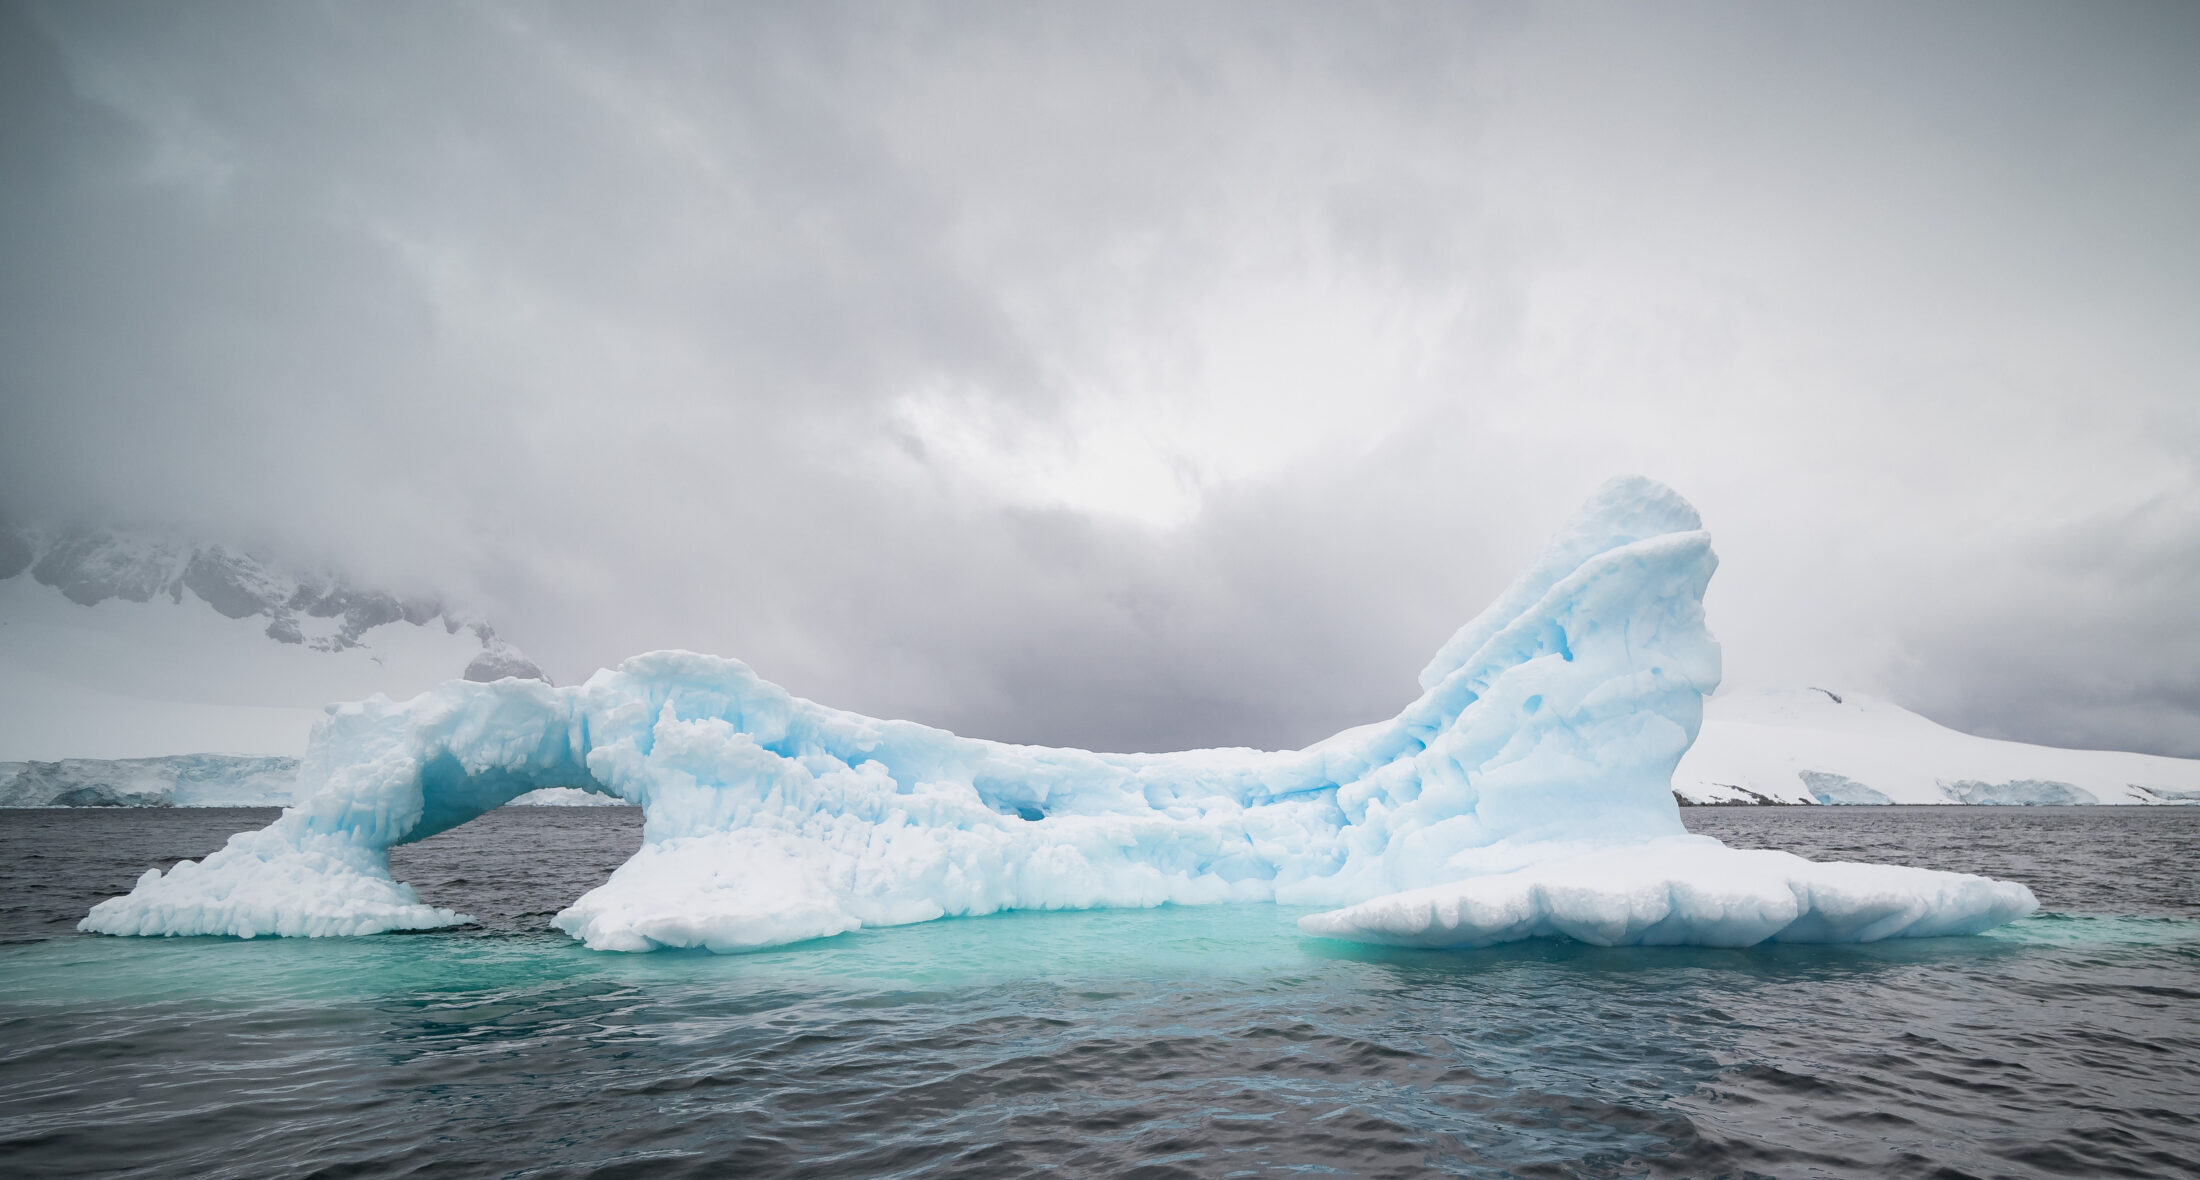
[
  {"x": 1527, "y": 791},
  {"x": 182, "y": 780}
]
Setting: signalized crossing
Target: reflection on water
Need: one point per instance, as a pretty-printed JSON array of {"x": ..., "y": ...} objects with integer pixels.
[{"x": 1168, "y": 1042}]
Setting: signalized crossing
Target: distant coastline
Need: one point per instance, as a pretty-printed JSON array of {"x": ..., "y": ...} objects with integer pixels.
[
  {"x": 235, "y": 780},
  {"x": 191, "y": 780}
]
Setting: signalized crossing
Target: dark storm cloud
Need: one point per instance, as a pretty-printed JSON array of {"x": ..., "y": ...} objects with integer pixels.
[{"x": 1131, "y": 376}]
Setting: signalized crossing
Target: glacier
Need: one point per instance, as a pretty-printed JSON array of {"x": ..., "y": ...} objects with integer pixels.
[
  {"x": 179, "y": 780},
  {"x": 1527, "y": 791},
  {"x": 1818, "y": 745}
]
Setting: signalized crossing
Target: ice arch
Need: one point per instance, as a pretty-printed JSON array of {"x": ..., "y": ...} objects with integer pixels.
[{"x": 1525, "y": 792}]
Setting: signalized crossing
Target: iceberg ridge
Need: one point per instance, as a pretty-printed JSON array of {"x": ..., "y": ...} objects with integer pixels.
[{"x": 1546, "y": 735}]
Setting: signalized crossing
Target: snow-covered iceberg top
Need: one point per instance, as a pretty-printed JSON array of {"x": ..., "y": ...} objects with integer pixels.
[{"x": 1538, "y": 757}]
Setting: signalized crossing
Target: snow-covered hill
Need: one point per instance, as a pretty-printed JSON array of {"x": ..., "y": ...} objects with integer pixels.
[
  {"x": 183, "y": 780},
  {"x": 191, "y": 780},
  {"x": 117, "y": 645},
  {"x": 1814, "y": 745}
]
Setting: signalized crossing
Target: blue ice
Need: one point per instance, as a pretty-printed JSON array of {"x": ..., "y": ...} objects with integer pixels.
[{"x": 1526, "y": 792}]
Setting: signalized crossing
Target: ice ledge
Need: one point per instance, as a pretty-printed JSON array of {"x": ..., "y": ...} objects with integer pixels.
[
  {"x": 294, "y": 886},
  {"x": 1681, "y": 891}
]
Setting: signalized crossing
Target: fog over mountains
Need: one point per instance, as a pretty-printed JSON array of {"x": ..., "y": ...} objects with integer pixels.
[
  {"x": 121, "y": 643},
  {"x": 1127, "y": 376},
  {"x": 321, "y": 611}
]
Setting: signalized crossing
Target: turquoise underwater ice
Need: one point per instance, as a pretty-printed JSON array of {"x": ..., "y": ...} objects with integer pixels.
[{"x": 1525, "y": 793}]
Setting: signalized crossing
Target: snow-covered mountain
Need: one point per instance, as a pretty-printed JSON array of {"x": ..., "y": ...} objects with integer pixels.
[
  {"x": 320, "y": 611},
  {"x": 119, "y": 645},
  {"x": 1815, "y": 745}
]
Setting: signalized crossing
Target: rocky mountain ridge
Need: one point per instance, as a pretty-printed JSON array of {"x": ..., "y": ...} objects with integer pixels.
[{"x": 317, "y": 610}]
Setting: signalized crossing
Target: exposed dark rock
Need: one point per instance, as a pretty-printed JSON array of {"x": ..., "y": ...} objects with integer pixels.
[
  {"x": 497, "y": 665},
  {"x": 15, "y": 551},
  {"x": 361, "y": 610},
  {"x": 224, "y": 582},
  {"x": 102, "y": 796},
  {"x": 1755, "y": 799},
  {"x": 89, "y": 568}
]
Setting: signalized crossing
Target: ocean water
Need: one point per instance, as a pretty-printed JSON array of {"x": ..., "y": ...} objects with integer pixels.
[{"x": 1174, "y": 1042}]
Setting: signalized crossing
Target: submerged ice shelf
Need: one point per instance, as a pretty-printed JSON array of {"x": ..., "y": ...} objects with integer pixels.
[{"x": 1526, "y": 792}]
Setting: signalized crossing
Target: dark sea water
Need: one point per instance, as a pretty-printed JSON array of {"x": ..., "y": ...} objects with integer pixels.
[{"x": 1176, "y": 1042}]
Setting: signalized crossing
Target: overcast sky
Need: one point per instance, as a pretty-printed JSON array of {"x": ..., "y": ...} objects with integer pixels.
[{"x": 1139, "y": 376}]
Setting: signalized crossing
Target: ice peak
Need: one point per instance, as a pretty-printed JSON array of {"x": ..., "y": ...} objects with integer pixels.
[{"x": 1621, "y": 511}]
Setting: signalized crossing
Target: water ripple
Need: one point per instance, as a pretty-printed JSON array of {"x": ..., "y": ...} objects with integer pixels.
[{"x": 1178, "y": 1042}]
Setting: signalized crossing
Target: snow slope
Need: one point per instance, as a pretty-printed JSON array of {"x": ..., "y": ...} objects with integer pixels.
[
  {"x": 1827, "y": 746},
  {"x": 1526, "y": 792}
]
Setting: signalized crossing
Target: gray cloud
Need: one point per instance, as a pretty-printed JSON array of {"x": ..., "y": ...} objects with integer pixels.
[{"x": 1134, "y": 377}]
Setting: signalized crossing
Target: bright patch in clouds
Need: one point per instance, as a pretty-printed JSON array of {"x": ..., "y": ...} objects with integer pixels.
[{"x": 1263, "y": 376}]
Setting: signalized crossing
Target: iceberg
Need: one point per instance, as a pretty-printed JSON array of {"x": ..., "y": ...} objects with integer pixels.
[{"x": 1526, "y": 791}]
